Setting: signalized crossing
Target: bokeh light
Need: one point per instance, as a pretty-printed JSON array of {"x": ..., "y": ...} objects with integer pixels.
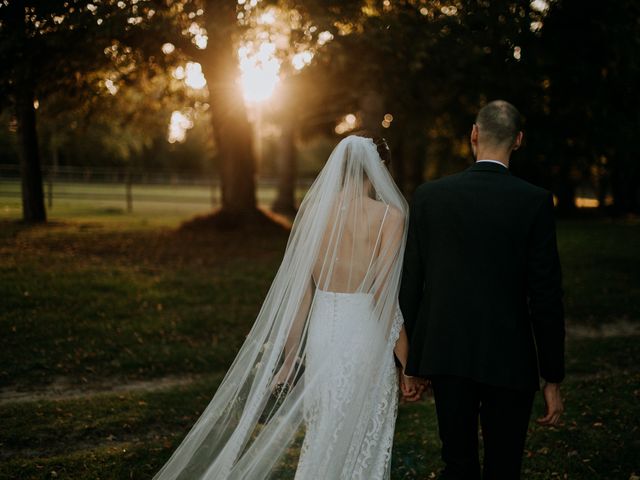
[
  {"x": 302, "y": 59},
  {"x": 194, "y": 76},
  {"x": 540, "y": 5},
  {"x": 191, "y": 74},
  {"x": 178, "y": 127},
  {"x": 199, "y": 34},
  {"x": 111, "y": 86},
  {"x": 517, "y": 53},
  {"x": 347, "y": 123}
]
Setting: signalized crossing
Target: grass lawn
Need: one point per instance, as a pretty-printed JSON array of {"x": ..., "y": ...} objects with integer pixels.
[
  {"x": 152, "y": 205},
  {"x": 116, "y": 328}
]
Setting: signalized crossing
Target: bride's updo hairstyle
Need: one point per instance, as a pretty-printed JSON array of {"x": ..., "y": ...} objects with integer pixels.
[
  {"x": 381, "y": 144},
  {"x": 383, "y": 150}
]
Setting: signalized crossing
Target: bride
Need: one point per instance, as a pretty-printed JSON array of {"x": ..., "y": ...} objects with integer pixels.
[{"x": 314, "y": 386}]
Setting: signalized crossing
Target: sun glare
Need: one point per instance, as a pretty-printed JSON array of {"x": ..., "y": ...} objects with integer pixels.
[{"x": 259, "y": 71}]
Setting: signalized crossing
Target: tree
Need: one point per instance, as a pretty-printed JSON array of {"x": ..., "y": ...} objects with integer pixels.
[
  {"x": 286, "y": 155},
  {"x": 589, "y": 67},
  {"x": 229, "y": 119},
  {"x": 51, "y": 47},
  {"x": 59, "y": 44},
  {"x": 213, "y": 43},
  {"x": 432, "y": 64},
  {"x": 16, "y": 40}
]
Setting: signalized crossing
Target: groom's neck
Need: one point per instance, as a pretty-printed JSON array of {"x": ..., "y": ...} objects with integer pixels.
[{"x": 499, "y": 155}]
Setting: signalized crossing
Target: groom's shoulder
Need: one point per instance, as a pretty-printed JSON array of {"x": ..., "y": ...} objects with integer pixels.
[
  {"x": 529, "y": 188},
  {"x": 439, "y": 184},
  {"x": 450, "y": 184}
]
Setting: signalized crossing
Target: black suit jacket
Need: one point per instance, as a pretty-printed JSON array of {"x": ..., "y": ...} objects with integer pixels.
[{"x": 481, "y": 291}]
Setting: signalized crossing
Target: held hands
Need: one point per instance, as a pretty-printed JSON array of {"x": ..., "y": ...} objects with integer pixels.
[
  {"x": 553, "y": 402},
  {"x": 412, "y": 388}
]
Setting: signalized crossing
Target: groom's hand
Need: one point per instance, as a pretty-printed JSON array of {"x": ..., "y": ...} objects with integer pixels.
[
  {"x": 412, "y": 387},
  {"x": 407, "y": 387},
  {"x": 553, "y": 402}
]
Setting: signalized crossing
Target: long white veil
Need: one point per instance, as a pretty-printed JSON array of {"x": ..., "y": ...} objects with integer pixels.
[{"x": 348, "y": 237}]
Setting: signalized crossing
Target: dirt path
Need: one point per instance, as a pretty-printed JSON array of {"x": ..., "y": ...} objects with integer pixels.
[
  {"x": 63, "y": 389},
  {"x": 618, "y": 328}
]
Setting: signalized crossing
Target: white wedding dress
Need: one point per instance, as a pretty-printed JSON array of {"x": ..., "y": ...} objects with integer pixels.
[
  {"x": 338, "y": 329},
  {"x": 312, "y": 394}
]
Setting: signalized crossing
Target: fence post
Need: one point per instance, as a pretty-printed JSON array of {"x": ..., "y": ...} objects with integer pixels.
[
  {"x": 212, "y": 185},
  {"x": 49, "y": 189},
  {"x": 51, "y": 174},
  {"x": 128, "y": 192}
]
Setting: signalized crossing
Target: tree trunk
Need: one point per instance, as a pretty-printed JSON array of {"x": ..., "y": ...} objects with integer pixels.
[
  {"x": 33, "y": 210},
  {"x": 232, "y": 131},
  {"x": 286, "y": 160},
  {"x": 565, "y": 188},
  {"x": 237, "y": 172},
  {"x": 625, "y": 185},
  {"x": 288, "y": 113}
]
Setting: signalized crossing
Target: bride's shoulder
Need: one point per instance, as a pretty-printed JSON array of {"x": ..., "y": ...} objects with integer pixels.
[{"x": 393, "y": 213}]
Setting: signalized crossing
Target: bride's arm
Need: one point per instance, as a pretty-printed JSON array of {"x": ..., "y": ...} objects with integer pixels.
[
  {"x": 392, "y": 236},
  {"x": 411, "y": 387},
  {"x": 293, "y": 342},
  {"x": 401, "y": 349}
]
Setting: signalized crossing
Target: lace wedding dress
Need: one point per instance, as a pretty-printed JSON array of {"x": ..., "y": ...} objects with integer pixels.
[
  {"x": 338, "y": 327},
  {"x": 312, "y": 392}
]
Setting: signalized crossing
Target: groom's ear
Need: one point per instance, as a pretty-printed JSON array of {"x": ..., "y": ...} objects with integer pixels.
[
  {"x": 474, "y": 138},
  {"x": 518, "y": 143}
]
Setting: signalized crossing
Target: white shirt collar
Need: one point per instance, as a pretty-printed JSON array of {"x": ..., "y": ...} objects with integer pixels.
[{"x": 492, "y": 161}]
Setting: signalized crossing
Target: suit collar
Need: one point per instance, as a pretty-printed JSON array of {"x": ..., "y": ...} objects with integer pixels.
[{"x": 489, "y": 167}]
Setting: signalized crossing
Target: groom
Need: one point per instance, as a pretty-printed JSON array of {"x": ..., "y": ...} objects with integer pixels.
[{"x": 481, "y": 297}]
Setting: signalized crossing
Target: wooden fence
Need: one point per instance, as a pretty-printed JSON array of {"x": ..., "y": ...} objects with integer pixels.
[{"x": 127, "y": 186}]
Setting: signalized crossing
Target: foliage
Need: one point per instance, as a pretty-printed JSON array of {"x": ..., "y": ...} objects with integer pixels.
[
  {"x": 585, "y": 119},
  {"x": 103, "y": 87},
  {"x": 571, "y": 66}
]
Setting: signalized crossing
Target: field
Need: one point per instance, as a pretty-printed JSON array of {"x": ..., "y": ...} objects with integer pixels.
[
  {"x": 159, "y": 205},
  {"x": 117, "y": 327}
]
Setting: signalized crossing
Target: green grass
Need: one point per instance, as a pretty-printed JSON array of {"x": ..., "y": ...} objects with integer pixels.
[
  {"x": 601, "y": 269},
  {"x": 119, "y": 298},
  {"x": 130, "y": 435},
  {"x": 87, "y": 303},
  {"x": 153, "y": 205}
]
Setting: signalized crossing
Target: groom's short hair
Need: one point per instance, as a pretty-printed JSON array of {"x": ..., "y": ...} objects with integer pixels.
[{"x": 499, "y": 123}]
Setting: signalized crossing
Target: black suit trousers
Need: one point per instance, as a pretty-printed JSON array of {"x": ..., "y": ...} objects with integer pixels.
[{"x": 504, "y": 418}]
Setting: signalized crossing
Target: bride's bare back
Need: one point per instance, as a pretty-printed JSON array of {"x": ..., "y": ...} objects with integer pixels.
[{"x": 357, "y": 233}]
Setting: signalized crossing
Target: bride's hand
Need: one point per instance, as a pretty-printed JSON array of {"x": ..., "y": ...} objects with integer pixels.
[
  {"x": 411, "y": 387},
  {"x": 281, "y": 377}
]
